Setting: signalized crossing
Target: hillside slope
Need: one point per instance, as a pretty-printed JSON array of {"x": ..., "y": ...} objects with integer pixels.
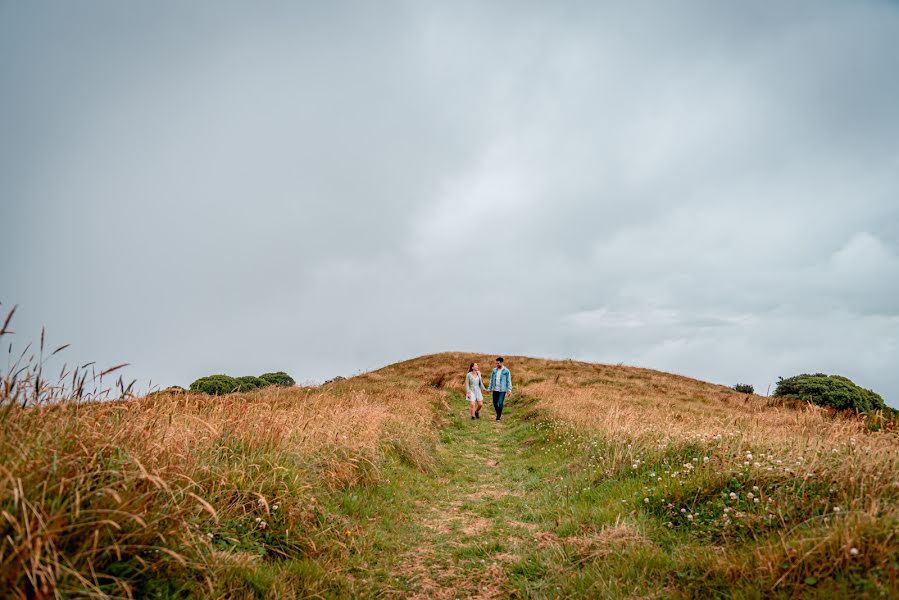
[{"x": 601, "y": 481}]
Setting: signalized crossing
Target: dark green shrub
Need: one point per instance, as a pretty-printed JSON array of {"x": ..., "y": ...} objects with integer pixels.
[
  {"x": 278, "y": 378},
  {"x": 834, "y": 391},
  {"x": 744, "y": 388},
  {"x": 217, "y": 385},
  {"x": 248, "y": 383}
]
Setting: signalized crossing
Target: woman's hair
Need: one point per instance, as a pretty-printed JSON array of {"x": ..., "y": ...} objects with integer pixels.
[{"x": 470, "y": 367}]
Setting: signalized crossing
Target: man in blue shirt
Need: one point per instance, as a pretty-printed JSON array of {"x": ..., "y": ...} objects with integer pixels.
[{"x": 500, "y": 385}]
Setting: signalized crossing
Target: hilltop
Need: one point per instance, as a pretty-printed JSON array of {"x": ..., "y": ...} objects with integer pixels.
[{"x": 601, "y": 481}]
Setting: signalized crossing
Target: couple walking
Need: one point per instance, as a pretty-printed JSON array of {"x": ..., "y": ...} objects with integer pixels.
[{"x": 500, "y": 385}]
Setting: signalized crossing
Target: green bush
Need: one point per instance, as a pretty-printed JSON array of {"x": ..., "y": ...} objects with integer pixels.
[
  {"x": 834, "y": 391},
  {"x": 278, "y": 378},
  {"x": 217, "y": 385},
  {"x": 248, "y": 383},
  {"x": 744, "y": 388}
]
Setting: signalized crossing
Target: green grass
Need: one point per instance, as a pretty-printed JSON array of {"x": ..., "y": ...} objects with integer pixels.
[{"x": 523, "y": 508}]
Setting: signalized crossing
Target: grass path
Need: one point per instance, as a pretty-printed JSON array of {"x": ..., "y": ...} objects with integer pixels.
[
  {"x": 470, "y": 530},
  {"x": 496, "y": 519}
]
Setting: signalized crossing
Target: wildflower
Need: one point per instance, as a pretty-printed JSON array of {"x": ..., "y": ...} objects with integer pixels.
[
  {"x": 275, "y": 507},
  {"x": 683, "y": 510},
  {"x": 755, "y": 488},
  {"x": 646, "y": 500},
  {"x": 705, "y": 459},
  {"x": 689, "y": 517},
  {"x": 733, "y": 496},
  {"x": 837, "y": 509},
  {"x": 853, "y": 551},
  {"x": 756, "y": 500},
  {"x": 750, "y": 495}
]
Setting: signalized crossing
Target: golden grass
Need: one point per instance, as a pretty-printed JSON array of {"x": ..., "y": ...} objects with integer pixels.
[
  {"x": 96, "y": 499},
  {"x": 84, "y": 487}
]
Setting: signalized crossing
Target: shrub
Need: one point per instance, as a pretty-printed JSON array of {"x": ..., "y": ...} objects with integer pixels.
[
  {"x": 248, "y": 383},
  {"x": 744, "y": 388},
  {"x": 217, "y": 385},
  {"x": 277, "y": 378},
  {"x": 834, "y": 391}
]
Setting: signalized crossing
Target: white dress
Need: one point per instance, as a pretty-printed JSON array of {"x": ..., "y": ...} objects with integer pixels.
[{"x": 473, "y": 386}]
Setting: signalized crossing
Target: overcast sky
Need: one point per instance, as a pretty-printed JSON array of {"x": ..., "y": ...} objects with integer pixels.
[{"x": 709, "y": 188}]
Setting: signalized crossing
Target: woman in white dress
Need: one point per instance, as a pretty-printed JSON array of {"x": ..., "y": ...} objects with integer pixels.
[{"x": 473, "y": 387}]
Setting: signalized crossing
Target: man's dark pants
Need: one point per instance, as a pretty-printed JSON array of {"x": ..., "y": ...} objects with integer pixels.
[{"x": 498, "y": 399}]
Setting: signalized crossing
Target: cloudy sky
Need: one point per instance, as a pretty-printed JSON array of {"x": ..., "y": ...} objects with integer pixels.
[{"x": 709, "y": 188}]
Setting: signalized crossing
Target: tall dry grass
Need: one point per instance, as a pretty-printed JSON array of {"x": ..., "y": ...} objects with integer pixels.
[
  {"x": 827, "y": 483},
  {"x": 167, "y": 493}
]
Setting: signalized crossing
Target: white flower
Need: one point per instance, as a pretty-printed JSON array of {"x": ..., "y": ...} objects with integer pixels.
[
  {"x": 837, "y": 509},
  {"x": 755, "y": 488},
  {"x": 705, "y": 459},
  {"x": 750, "y": 495},
  {"x": 853, "y": 551},
  {"x": 683, "y": 510},
  {"x": 756, "y": 500},
  {"x": 646, "y": 500},
  {"x": 275, "y": 507},
  {"x": 726, "y": 510},
  {"x": 689, "y": 517},
  {"x": 733, "y": 496}
]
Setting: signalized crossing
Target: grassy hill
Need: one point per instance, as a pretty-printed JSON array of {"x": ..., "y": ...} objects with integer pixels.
[{"x": 601, "y": 481}]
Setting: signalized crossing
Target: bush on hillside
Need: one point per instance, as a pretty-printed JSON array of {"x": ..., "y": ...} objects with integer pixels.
[
  {"x": 834, "y": 391},
  {"x": 744, "y": 388},
  {"x": 216, "y": 385},
  {"x": 278, "y": 378},
  {"x": 248, "y": 383}
]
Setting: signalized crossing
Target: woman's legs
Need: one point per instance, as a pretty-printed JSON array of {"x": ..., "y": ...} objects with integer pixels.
[
  {"x": 471, "y": 408},
  {"x": 477, "y": 411}
]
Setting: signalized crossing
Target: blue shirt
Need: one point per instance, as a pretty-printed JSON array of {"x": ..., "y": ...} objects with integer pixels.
[{"x": 501, "y": 380}]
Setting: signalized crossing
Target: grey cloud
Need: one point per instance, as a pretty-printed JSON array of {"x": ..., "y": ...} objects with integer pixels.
[{"x": 708, "y": 187}]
